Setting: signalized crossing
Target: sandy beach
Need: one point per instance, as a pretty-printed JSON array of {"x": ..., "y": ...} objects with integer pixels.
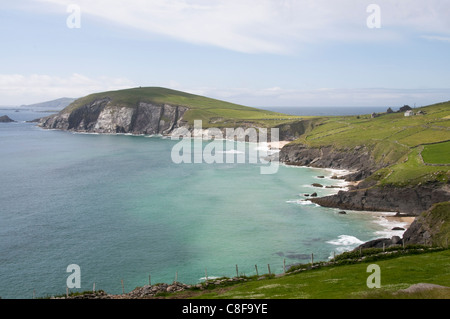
[
  {"x": 404, "y": 220},
  {"x": 277, "y": 145}
]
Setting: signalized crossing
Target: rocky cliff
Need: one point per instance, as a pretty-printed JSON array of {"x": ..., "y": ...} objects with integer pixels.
[
  {"x": 103, "y": 116},
  {"x": 357, "y": 159},
  {"x": 5, "y": 119},
  {"x": 406, "y": 200},
  {"x": 411, "y": 200}
]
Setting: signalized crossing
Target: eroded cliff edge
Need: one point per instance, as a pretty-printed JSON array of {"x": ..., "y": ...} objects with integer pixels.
[
  {"x": 103, "y": 116},
  {"x": 366, "y": 195}
]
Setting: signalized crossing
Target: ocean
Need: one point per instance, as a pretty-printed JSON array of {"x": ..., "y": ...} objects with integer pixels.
[{"x": 119, "y": 208}]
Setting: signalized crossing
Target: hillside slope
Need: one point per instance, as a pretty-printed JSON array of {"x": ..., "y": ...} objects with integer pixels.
[
  {"x": 399, "y": 161},
  {"x": 154, "y": 110}
]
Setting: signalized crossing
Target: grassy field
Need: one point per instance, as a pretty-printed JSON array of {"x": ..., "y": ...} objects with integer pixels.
[
  {"x": 407, "y": 132},
  {"x": 437, "y": 153},
  {"x": 213, "y": 112},
  {"x": 348, "y": 281},
  {"x": 396, "y": 141}
]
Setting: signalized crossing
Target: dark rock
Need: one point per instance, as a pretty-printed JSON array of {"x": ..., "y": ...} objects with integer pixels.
[
  {"x": 378, "y": 243},
  {"x": 314, "y": 195},
  {"x": 396, "y": 240},
  {"x": 320, "y": 176},
  {"x": 35, "y": 120},
  {"x": 342, "y": 212},
  {"x": 101, "y": 116},
  {"x": 398, "y": 228},
  {"x": 428, "y": 228},
  {"x": 292, "y": 131},
  {"x": 317, "y": 185},
  {"x": 358, "y": 159},
  {"x": 411, "y": 200},
  {"x": 5, "y": 119}
]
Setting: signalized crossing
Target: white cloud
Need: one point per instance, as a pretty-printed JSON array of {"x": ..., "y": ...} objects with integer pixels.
[
  {"x": 270, "y": 26},
  {"x": 17, "y": 89}
]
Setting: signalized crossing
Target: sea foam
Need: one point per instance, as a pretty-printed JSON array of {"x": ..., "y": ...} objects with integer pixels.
[{"x": 345, "y": 243}]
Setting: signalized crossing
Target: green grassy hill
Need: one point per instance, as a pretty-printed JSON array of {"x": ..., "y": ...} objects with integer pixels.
[
  {"x": 412, "y": 149},
  {"x": 213, "y": 112}
]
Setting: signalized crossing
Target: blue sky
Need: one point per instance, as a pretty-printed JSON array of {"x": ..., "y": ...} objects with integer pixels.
[{"x": 251, "y": 52}]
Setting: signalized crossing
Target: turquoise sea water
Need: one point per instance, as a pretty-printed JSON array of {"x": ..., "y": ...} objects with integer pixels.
[{"x": 118, "y": 207}]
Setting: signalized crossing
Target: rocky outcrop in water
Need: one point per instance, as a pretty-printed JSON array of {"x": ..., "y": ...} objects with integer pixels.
[
  {"x": 381, "y": 243},
  {"x": 101, "y": 116},
  {"x": 406, "y": 200},
  {"x": 5, "y": 119}
]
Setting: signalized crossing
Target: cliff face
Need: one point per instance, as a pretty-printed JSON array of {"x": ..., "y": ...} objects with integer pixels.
[
  {"x": 366, "y": 196},
  {"x": 357, "y": 159},
  {"x": 432, "y": 227},
  {"x": 101, "y": 116},
  {"x": 5, "y": 119},
  {"x": 405, "y": 200}
]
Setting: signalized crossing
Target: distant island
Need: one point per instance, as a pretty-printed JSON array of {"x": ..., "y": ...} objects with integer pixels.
[
  {"x": 399, "y": 161},
  {"x": 5, "y": 119},
  {"x": 48, "y": 106}
]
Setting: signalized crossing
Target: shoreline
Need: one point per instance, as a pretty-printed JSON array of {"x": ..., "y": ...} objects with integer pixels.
[
  {"x": 391, "y": 223},
  {"x": 407, "y": 221},
  {"x": 337, "y": 175}
]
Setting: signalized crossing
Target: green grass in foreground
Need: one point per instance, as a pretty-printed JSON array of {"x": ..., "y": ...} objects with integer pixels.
[{"x": 350, "y": 281}]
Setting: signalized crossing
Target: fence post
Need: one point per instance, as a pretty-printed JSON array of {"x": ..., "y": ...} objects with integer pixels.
[
  {"x": 237, "y": 271},
  {"x": 268, "y": 266},
  {"x": 284, "y": 265},
  {"x": 256, "y": 267}
]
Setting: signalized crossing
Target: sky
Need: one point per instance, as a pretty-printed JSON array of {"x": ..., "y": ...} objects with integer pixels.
[{"x": 250, "y": 52}]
